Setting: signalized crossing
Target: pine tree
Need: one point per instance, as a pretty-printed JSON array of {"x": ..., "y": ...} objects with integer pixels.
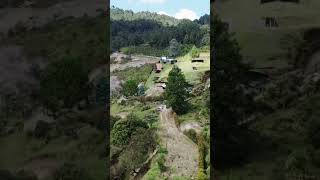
[{"x": 176, "y": 91}]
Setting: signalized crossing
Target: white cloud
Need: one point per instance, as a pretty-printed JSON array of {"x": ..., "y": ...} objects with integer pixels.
[
  {"x": 153, "y": 1},
  {"x": 186, "y": 14},
  {"x": 163, "y": 13}
]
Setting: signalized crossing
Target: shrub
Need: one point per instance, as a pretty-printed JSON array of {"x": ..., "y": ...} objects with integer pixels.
[
  {"x": 41, "y": 130},
  {"x": 201, "y": 175},
  {"x": 153, "y": 174},
  {"x": 161, "y": 162},
  {"x": 123, "y": 129},
  {"x": 195, "y": 52},
  {"x": 297, "y": 161},
  {"x": 130, "y": 88},
  {"x": 63, "y": 83},
  {"x": 201, "y": 147},
  {"x": 142, "y": 142}
]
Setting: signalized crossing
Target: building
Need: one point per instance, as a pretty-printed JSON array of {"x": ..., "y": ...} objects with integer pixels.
[
  {"x": 158, "y": 67},
  {"x": 163, "y": 59},
  {"x": 171, "y": 60},
  {"x": 197, "y": 60}
]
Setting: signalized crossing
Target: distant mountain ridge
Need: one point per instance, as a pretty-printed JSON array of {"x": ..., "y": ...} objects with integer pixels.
[{"x": 129, "y": 15}]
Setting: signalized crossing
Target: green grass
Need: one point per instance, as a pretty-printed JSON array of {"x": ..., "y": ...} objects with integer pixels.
[
  {"x": 184, "y": 63},
  {"x": 193, "y": 76},
  {"x": 155, "y": 173},
  {"x": 131, "y": 106},
  {"x": 139, "y": 74}
]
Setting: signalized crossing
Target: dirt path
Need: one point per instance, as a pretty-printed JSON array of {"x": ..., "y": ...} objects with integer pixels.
[{"x": 182, "y": 152}]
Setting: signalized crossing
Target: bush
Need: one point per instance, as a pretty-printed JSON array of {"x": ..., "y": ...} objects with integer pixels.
[
  {"x": 161, "y": 162},
  {"x": 64, "y": 81},
  {"x": 42, "y": 129},
  {"x": 297, "y": 161},
  {"x": 153, "y": 174},
  {"x": 195, "y": 52},
  {"x": 130, "y": 88},
  {"x": 142, "y": 142},
  {"x": 201, "y": 147},
  {"x": 123, "y": 129}
]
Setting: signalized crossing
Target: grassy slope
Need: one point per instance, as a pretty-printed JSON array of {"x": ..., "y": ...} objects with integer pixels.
[
  {"x": 192, "y": 77},
  {"x": 184, "y": 63}
]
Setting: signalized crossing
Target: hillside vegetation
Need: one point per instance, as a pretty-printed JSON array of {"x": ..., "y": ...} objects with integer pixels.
[
  {"x": 143, "y": 29},
  {"x": 177, "y": 117}
]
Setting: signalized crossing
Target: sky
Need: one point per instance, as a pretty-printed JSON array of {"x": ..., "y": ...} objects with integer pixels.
[{"x": 181, "y": 9}]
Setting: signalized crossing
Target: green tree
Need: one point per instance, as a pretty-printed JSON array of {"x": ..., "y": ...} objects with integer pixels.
[
  {"x": 64, "y": 83},
  {"x": 195, "y": 52},
  {"x": 123, "y": 129},
  {"x": 176, "y": 91},
  {"x": 130, "y": 88},
  {"x": 174, "y": 48}
]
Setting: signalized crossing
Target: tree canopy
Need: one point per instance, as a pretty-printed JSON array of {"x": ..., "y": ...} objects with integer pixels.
[
  {"x": 134, "y": 29},
  {"x": 64, "y": 81},
  {"x": 176, "y": 91}
]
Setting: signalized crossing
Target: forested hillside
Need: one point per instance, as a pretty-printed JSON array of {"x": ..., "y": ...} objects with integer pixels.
[
  {"x": 159, "y": 116},
  {"x": 156, "y": 31}
]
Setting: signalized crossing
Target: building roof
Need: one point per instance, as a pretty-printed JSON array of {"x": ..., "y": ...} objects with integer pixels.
[{"x": 158, "y": 66}]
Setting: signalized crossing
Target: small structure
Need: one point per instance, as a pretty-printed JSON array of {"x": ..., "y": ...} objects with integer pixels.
[
  {"x": 197, "y": 60},
  {"x": 163, "y": 59},
  {"x": 194, "y": 68},
  {"x": 158, "y": 68},
  {"x": 171, "y": 60}
]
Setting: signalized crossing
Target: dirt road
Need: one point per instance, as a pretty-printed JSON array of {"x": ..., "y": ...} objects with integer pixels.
[{"x": 182, "y": 152}]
